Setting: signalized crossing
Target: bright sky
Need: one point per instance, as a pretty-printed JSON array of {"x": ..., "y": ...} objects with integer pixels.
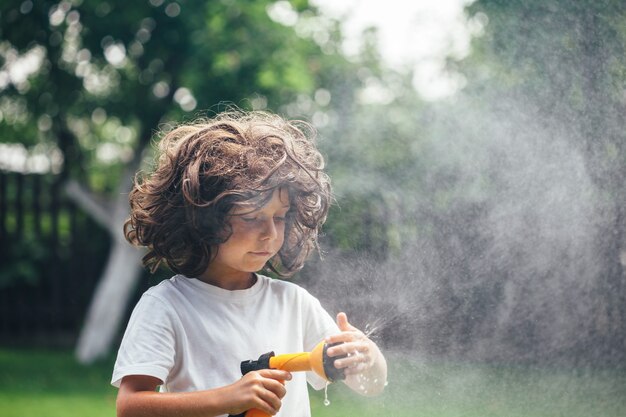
[{"x": 412, "y": 32}]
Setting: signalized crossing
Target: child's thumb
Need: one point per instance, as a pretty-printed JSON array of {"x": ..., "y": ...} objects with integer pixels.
[{"x": 342, "y": 322}]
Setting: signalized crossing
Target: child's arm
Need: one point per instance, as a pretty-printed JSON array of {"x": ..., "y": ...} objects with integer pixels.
[
  {"x": 262, "y": 390},
  {"x": 365, "y": 366}
]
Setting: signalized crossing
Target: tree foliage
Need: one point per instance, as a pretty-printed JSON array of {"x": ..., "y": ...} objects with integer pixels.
[{"x": 98, "y": 78}]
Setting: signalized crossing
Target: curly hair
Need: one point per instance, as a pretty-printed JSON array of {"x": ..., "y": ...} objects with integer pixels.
[{"x": 206, "y": 168}]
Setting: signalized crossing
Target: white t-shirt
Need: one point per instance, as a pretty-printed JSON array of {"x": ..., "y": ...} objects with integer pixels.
[{"x": 193, "y": 336}]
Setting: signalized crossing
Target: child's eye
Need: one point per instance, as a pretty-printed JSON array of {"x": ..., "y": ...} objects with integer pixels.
[{"x": 248, "y": 219}]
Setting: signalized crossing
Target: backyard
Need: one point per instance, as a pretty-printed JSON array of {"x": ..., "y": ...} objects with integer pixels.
[
  {"x": 487, "y": 223},
  {"x": 51, "y": 383}
]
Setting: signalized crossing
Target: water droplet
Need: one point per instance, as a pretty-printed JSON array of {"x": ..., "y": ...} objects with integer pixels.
[{"x": 326, "y": 401}]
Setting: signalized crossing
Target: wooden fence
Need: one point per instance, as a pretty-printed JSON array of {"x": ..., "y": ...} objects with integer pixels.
[{"x": 51, "y": 255}]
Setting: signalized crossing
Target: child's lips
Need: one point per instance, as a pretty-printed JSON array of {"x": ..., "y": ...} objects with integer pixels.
[{"x": 261, "y": 253}]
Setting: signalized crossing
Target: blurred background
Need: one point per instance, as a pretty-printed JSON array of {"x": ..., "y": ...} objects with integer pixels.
[{"x": 478, "y": 157}]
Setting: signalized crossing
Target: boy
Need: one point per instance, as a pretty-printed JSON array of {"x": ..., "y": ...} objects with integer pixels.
[{"x": 229, "y": 197}]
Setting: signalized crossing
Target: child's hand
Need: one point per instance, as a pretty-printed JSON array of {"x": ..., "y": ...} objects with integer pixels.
[
  {"x": 354, "y": 344},
  {"x": 262, "y": 390},
  {"x": 364, "y": 366}
]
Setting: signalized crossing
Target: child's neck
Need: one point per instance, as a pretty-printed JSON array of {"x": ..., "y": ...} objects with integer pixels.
[{"x": 231, "y": 282}]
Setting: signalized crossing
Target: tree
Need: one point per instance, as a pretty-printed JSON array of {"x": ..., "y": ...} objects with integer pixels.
[{"x": 96, "y": 79}]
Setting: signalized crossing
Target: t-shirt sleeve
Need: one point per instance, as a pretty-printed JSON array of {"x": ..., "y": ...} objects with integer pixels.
[
  {"x": 148, "y": 345},
  {"x": 318, "y": 325}
]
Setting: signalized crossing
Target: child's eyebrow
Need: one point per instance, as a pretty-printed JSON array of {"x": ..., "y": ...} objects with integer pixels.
[{"x": 242, "y": 211}]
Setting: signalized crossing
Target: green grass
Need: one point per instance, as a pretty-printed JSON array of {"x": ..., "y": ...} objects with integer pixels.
[
  {"x": 37, "y": 383},
  {"x": 51, "y": 384},
  {"x": 469, "y": 390}
]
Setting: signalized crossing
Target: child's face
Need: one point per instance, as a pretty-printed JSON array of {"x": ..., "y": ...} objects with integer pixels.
[{"x": 256, "y": 237}]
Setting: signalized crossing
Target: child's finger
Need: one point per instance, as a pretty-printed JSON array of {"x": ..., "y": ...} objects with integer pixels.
[
  {"x": 347, "y": 342},
  {"x": 356, "y": 362},
  {"x": 343, "y": 337},
  {"x": 269, "y": 399},
  {"x": 277, "y": 374},
  {"x": 343, "y": 324},
  {"x": 268, "y": 402},
  {"x": 357, "y": 369},
  {"x": 273, "y": 394},
  {"x": 275, "y": 387},
  {"x": 261, "y": 390}
]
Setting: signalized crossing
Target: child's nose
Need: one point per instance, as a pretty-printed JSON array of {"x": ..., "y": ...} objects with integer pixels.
[{"x": 269, "y": 230}]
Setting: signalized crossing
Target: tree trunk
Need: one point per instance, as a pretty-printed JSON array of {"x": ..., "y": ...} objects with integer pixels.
[
  {"x": 109, "y": 304},
  {"x": 120, "y": 275}
]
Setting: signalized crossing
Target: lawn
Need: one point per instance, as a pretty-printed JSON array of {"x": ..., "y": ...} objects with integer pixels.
[
  {"x": 51, "y": 384},
  {"x": 418, "y": 389}
]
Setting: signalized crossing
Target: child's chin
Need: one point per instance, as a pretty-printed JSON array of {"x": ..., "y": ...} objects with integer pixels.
[{"x": 256, "y": 266}]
